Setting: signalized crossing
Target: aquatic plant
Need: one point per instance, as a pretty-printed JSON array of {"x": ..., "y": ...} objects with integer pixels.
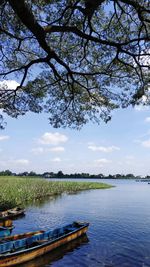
[{"x": 16, "y": 191}]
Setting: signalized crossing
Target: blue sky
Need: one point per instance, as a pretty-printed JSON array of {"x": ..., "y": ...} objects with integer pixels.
[
  {"x": 122, "y": 146},
  {"x": 29, "y": 143}
]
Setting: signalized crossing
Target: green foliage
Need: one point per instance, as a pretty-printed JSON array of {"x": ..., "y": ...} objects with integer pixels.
[
  {"x": 76, "y": 60},
  {"x": 21, "y": 191}
]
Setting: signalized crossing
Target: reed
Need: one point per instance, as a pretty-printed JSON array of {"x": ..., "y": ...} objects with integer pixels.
[{"x": 16, "y": 191}]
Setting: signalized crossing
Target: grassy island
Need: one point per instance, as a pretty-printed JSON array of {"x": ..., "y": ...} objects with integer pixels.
[{"x": 16, "y": 191}]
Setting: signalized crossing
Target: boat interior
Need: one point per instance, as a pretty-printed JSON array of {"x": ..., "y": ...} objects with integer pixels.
[{"x": 8, "y": 246}]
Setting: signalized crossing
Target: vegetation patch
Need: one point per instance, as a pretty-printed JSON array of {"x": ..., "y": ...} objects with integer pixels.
[{"x": 16, "y": 191}]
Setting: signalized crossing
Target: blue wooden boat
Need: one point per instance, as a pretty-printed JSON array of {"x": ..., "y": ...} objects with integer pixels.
[
  {"x": 12, "y": 213},
  {"x": 58, "y": 253},
  {"x": 4, "y": 231},
  {"x": 20, "y": 236},
  {"x": 18, "y": 251},
  {"x": 6, "y": 223}
]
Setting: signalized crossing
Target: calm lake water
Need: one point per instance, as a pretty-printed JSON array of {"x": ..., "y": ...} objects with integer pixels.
[{"x": 119, "y": 231}]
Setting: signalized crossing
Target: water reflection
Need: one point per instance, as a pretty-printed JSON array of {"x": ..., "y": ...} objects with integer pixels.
[
  {"x": 119, "y": 230},
  {"x": 58, "y": 253},
  {"x": 41, "y": 202}
]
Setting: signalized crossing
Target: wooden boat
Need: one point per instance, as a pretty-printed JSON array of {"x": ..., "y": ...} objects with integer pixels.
[
  {"x": 6, "y": 223},
  {"x": 57, "y": 254},
  {"x": 20, "y": 236},
  {"x": 11, "y": 213},
  {"x": 22, "y": 250},
  {"x": 4, "y": 231}
]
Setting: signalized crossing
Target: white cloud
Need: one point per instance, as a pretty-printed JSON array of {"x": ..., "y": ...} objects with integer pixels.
[
  {"x": 103, "y": 149},
  {"x": 11, "y": 162},
  {"x": 147, "y": 119},
  {"x": 56, "y": 160},
  {"x": 102, "y": 161},
  {"x": 57, "y": 149},
  {"x": 146, "y": 143},
  {"x": 8, "y": 84},
  {"x": 4, "y": 137},
  {"x": 37, "y": 150},
  {"x": 141, "y": 137},
  {"x": 24, "y": 162},
  {"x": 141, "y": 108},
  {"x": 53, "y": 138},
  {"x": 90, "y": 143},
  {"x": 41, "y": 150}
]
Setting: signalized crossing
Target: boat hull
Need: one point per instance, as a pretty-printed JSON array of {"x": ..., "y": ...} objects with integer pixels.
[
  {"x": 4, "y": 232},
  {"x": 11, "y": 214},
  {"x": 6, "y": 223},
  {"x": 32, "y": 253}
]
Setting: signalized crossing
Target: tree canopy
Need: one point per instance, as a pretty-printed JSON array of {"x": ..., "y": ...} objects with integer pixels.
[{"x": 74, "y": 59}]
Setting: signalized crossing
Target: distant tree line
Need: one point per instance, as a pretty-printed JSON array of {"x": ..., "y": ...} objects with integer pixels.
[{"x": 82, "y": 175}]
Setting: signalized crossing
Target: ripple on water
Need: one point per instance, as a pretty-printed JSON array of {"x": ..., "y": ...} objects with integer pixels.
[{"x": 119, "y": 232}]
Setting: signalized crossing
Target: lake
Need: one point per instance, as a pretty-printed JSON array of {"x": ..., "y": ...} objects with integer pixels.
[{"x": 119, "y": 231}]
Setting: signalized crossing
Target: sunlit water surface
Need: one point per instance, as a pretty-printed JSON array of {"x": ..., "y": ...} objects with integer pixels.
[{"x": 119, "y": 231}]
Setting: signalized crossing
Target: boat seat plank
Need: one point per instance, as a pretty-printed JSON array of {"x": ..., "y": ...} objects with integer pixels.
[
  {"x": 31, "y": 240},
  {"x": 6, "y": 247},
  {"x": 19, "y": 243}
]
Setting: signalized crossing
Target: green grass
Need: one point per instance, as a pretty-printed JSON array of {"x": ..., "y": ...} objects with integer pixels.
[{"x": 16, "y": 191}]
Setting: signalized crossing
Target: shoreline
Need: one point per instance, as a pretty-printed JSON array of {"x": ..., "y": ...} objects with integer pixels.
[{"x": 16, "y": 191}]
